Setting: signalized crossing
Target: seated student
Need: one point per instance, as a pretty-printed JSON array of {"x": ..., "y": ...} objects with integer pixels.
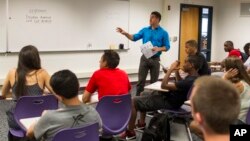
[
  {"x": 27, "y": 79},
  {"x": 215, "y": 105},
  {"x": 65, "y": 85},
  {"x": 159, "y": 100},
  {"x": 108, "y": 80},
  {"x": 247, "y": 52},
  {"x": 191, "y": 48},
  {"x": 229, "y": 47},
  {"x": 236, "y": 73},
  {"x": 247, "y": 49}
]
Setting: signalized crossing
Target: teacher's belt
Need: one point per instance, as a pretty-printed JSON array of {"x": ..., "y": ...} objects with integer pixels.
[{"x": 154, "y": 57}]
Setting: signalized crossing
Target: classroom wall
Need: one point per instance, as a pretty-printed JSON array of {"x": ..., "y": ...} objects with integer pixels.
[
  {"x": 84, "y": 63},
  {"x": 227, "y": 25},
  {"x": 231, "y": 26},
  {"x": 173, "y": 22},
  {"x": 2, "y": 24}
]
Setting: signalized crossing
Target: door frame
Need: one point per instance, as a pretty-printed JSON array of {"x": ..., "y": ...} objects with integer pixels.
[{"x": 210, "y": 21}]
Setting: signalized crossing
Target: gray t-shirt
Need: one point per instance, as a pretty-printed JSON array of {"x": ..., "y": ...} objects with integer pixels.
[{"x": 70, "y": 116}]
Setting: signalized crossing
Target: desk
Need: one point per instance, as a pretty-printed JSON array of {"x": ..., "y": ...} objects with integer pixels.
[
  {"x": 216, "y": 68},
  {"x": 188, "y": 102},
  {"x": 93, "y": 98},
  {"x": 155, "y": 86},
  {"x": 27, "y": 122}
]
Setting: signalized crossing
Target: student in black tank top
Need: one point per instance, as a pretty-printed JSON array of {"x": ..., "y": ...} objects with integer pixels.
[{"x": 21, "y": 80}]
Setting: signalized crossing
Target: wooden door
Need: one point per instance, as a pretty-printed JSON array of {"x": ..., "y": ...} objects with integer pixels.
[{"x": 189, "y": 28}]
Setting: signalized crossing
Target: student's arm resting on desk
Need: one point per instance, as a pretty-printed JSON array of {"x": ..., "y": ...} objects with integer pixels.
[
  {"x": 91, "y": 88},
  {"x": 165, "y": 82},
  {"x": 86, "y": 96},
  {"x": 30, "y": 131},
  {"x": 39, "y": 128}
]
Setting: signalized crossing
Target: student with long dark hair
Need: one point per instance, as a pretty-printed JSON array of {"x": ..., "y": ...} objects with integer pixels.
[
  {"x": 26, "y": 80},
  {"x": 236, "y": 73}
]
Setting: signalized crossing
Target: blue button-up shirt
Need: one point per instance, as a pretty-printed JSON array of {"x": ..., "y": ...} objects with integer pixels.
[{"x": 158, "y": 37}]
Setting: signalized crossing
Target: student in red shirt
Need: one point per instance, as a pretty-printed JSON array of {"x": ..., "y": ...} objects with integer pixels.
[
  {"x": 108, "y": 80},
  {"x": 229, "y": 47}
]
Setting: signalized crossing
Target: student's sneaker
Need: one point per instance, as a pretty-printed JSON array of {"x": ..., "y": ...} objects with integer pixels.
[
  {"x": 128, "y": 135},
  {"x": 140, "y": 126},
  {"x": 150, "y": 114}
]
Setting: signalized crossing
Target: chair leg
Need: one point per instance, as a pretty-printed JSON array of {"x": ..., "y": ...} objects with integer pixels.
[
  {"x": 188, "y": 131},
  {"x": 10, "y": 137}
]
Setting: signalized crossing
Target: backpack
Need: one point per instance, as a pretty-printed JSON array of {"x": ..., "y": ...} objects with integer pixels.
[{"x": 158, "y": 129}]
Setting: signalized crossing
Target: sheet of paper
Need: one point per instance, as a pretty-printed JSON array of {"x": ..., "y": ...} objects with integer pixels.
[
  {"x": 93, "y": 98},
  {"x": 146, "y": 49},
  {"x": 27, "y": 122}
]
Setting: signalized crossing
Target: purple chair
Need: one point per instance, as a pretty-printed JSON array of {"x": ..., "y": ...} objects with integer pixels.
[
  {"x": 31, "y": 106},
  {"x": 115, "y": 112},
  {"x": 89, "y": 132}
]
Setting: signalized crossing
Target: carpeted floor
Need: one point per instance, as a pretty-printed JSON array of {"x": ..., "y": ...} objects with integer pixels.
[{"x": 4, "y": 106}]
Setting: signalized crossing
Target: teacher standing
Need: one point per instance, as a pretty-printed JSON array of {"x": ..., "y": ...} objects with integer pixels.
[{"x": 160, "y": 40}]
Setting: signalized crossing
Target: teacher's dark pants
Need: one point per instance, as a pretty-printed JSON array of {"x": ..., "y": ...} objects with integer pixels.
[{"x": 152, "y": 64}]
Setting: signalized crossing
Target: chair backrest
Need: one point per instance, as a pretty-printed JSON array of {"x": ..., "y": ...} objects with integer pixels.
[
  {"x": 89, "y": 132},
  {"x": 115, "y": 112},
  {"x": 33, "y": 106},
  {"x": 248, "y": 117},
  {"x": 190, "y": 92}
]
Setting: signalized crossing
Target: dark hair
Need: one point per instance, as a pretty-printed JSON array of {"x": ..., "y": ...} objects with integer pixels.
[
  {"x": 157, "y": 15},
  {"x": 28, "y": 60},
  {"x": 112, "y": 58},
  {"x": 65, "y": 84},
  {"x": 195, "y": 61},
  {"x": 230, "y": 43},
  {"x": 217, "y": 101},
  {"x": 192, "y": 43},
  {"x": 246, "y": 48},
  {"x": 236, "y": 63}
]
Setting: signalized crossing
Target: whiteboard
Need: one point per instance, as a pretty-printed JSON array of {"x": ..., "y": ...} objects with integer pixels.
[
  {"x": 67, "y": 25},
  {"x": 3, "y": 27}
]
